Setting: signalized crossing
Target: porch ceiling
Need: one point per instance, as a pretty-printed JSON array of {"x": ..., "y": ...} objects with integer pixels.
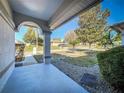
[
  {"x": 42, "y": 9},
  {"x": 55, "y": 12}
]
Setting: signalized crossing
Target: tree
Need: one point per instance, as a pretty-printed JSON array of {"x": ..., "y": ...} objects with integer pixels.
[
  {"x": 30, "y": 37},
  {"x": 117, "y": 37},
  {"x": 92, "y": 25},
  {"x": 71, "y": 38},
  {"x": 105, "y": 39},
  {"x": 40, "y": 41}
]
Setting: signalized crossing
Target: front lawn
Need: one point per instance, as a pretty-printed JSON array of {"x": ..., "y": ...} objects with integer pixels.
[
  {"x": 80, "y": 58},
  {"x": 77, "y": 57},
  {"x": 80, "y": 61}
]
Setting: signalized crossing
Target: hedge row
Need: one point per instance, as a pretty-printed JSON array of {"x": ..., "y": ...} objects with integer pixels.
[{"x": 111, "y": 63}]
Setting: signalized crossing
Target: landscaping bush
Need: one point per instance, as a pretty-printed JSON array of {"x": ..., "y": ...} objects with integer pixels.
[{"x": 111, "y": 63}]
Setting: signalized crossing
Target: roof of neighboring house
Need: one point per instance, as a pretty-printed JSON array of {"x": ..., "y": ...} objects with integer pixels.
[
  {"x": 56, "y": 41},
  {"x": 19, "y": 42},
  {"x": 118, "y": 26}
]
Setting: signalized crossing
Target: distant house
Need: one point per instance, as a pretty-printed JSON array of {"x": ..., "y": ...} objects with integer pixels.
[
  {"x": 56, "y": 42},
  {"x": 18, "y": 42}
]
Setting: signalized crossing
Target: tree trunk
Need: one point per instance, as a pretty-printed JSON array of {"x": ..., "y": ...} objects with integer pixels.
[
  {"x": 89, "y": 48},
  {"x": 73, "y": 47},
  {"x": 90, "y": 45}
]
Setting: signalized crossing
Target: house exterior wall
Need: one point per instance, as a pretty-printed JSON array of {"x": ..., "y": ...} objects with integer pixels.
[
  {"x": 6, "y": 7},
  {"x": 122, "y": 37},
  {"x": 7, "y": 50},
  {"x": 7, "y": 44}
]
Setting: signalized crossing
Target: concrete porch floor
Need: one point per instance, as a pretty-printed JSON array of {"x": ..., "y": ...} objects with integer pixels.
[{"x": 41, "y": 78}]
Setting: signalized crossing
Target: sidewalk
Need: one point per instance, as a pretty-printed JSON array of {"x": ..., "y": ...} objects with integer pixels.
[{"x": 29, "y": 59}]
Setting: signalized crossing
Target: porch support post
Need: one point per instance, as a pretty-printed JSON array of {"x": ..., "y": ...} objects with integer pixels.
[
  {"x": 122, "y": 37},
  {"x": 46, "y": 47}
]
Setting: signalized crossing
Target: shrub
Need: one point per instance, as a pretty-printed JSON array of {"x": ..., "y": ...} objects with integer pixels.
[{"x": 111, "y": 63}]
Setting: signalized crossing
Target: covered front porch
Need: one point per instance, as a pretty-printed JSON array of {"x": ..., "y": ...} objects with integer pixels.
[
  {"x": 41, "y": 78},
  {"x": 47, "y": 15}
]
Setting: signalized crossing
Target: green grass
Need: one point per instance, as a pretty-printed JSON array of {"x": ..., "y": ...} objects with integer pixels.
[
  {"x": 80, "y": 61},
  {"x": 40, "y": 48},
  {"x": 29, "y": 48},
  {"x": 89, "y": 59},
  {"x": 54, "y": 47}
]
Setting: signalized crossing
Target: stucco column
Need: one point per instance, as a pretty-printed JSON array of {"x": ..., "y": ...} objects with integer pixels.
[
  {"x": 46, "y": 48},
  {"x": 122, "y": 37}
]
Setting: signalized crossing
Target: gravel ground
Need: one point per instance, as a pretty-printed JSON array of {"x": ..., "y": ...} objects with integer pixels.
[{"x": 76, "y": 73}]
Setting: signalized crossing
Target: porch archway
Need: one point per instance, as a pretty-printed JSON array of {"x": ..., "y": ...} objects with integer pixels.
[{"x": 35, "y": 48}]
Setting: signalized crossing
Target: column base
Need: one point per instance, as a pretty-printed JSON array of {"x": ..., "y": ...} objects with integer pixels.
[{"x": 47, "y": 59}]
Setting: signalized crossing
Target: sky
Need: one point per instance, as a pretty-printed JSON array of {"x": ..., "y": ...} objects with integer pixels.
[{"x": 116, "y": 8}]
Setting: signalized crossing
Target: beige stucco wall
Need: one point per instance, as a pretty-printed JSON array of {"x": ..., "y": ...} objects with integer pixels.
[{"x": 7, "y": 50}]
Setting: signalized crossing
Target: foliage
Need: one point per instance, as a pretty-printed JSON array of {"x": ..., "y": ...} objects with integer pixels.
[
  {"x": 92, "y": 25},
  {"x": 29, "y": 48},
  {"x": 111, "y": 64},
  {"x": 107, "y": 39},
  {"x": 71, "y": 38},
  {"x": 40, "y": 41},
  {"x": 117, "y": 37},
  {"x": 104, "y": 40},
  {"x": 30, "y": 37},
  {"x": 55, "y": 48},
  {"x": 110, "y": 38}
]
